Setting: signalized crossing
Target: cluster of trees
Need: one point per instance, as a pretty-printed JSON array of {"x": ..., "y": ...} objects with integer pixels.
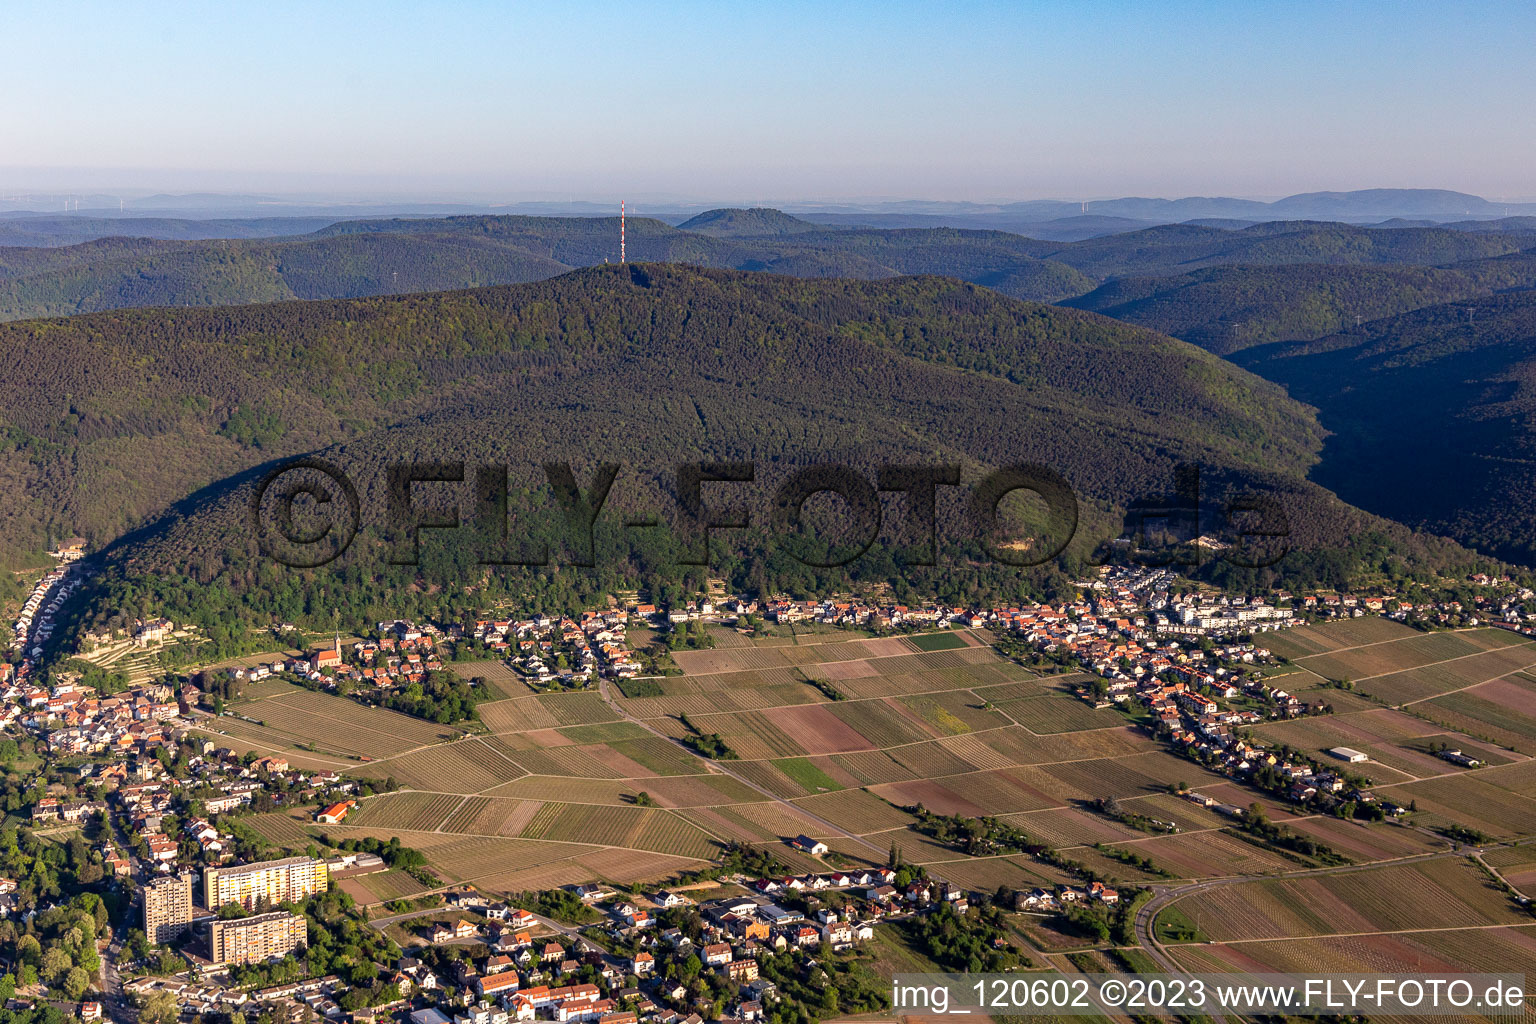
[
  {"x": 1429, "y": 431},
  {"x": 1230, "y": 308},
  {"x": 710, "y": 745},
  {"x": 964, "y": 942},
  {"x": 51, "y": 872},
  {"x": 341, "y": 942},
  {"x": 393, "y": 853},
  {"x": 978, "y": 837},
  {"x": 827, "y": 689},
  {"x": 1140, "y": 861},
  {"x": 1112, "y": 808},
  {"x": 1257, "y": 824},
  {"x": 560, "y": 905},
  {"x": 57, "y": 947},
  {"x": 689, "y": 636},
  {"x": 103, "y": 680},
  {"x": 441, "y": 697}
]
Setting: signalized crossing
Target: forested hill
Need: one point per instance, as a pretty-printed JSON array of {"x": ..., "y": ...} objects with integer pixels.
[
  {"x": 371, "y": 257},
  {"x": 1227, "y": 309},
  {"x": 753, "y": 222},
  {"x": 1433, "y": 415},
  {"x": 110, "y": 418}
]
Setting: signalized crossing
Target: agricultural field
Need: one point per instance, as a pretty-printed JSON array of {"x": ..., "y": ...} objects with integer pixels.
[
  {"x": 1516, "y": 863},
  {"x": 566, "y": 787},
  {"x": 468, "y": 766},
  {"x": 856, "y": 810},
  {"x": 1203, "y": 854},
  {"x": 497, "y": 675},
  {"x": 634, "y": 828},
  {"x": 1398, "y": 745},
  {"x": 1447, "y": 893},
  {"x": 1443, "y": 677},
  {"x": 1466, "y": 799},
  {"x": 1058, "y": 712},
  {"x": 491, "y": 816},
  {"x": 1336, "y": 635},
  {"x": 416, "y": 811},
  {"x": 518, "y": 714},
  {"x": 300, "y": 719},
  {"x": 1390, "y": 656},
  {"x": 1396, "y": 665},
  {"x": 1502, "y": 711},
  {"x": 576, "y": 708},
  {"x": 937, "y": 642},
  {"x": 1482, "y": 950},
  {"x": 384, "y": 886},
  {"x": 281, "y": 830}
]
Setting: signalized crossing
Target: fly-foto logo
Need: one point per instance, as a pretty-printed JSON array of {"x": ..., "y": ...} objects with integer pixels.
[{"x": 307, "y": 512}]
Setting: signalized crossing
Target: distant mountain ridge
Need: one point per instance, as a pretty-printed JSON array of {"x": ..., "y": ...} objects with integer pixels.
[
  {"x": 1119, "y": 214},
  {"x": 354, "y": 258}
]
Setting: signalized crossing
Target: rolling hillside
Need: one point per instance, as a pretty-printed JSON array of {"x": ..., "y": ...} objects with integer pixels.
[
  {"x": 1227, "y": 309},
  {"x": 1433, "y": 415},
  {"x": 113, "y": 417},
  {"x": 754, "y": 222}
]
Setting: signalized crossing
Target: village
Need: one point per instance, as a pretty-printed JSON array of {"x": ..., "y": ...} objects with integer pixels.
[{"x": 162, "y": 799}]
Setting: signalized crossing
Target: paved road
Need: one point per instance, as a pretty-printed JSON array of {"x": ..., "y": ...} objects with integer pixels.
[{"x": 115, "y": 1004}]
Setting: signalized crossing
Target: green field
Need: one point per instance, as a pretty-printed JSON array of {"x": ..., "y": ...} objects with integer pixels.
[{"x": 937, "y": 642}]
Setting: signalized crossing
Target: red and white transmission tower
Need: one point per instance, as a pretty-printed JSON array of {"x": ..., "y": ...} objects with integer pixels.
[{"x": 621, "y": 231}]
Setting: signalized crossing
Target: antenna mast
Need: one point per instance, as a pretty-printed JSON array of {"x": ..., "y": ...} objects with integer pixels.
[{"x": 621, "y": 231}]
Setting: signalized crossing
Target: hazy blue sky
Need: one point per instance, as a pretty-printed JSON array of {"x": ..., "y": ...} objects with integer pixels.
[{"x": 771, "y": 100}]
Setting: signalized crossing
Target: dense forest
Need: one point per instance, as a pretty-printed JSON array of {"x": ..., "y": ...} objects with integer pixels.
[
  {"x": 1431, "y": 414},
  {"x": 1227, "y": 309},
  {"x": 147, "y": 431},
  {"x": 645, "y": 367},
  {"x": 646, "y": 364}
]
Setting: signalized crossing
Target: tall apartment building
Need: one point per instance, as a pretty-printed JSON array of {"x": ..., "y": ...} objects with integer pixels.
[
  {"x": 167, "y": 908},
  {"x": 252, "y": 940},
  {"x": 292, "y": 878}
]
